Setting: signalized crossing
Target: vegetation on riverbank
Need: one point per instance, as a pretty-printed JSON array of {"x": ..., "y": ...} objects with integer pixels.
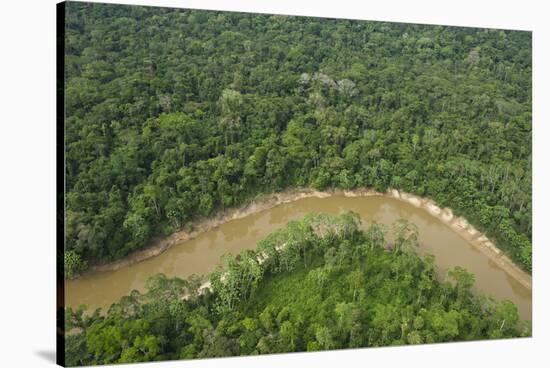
[
  {"x": 173, "y": 114},
  {"x": 319, "y": 283}
]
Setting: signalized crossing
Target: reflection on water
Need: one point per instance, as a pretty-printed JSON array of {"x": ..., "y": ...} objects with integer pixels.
[{"x": 201, "y": 254}]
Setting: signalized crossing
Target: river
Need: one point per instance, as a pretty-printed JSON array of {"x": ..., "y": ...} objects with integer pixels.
[{"x": 201, "y": 254}]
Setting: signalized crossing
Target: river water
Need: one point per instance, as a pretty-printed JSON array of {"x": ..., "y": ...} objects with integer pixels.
[{"x": 200, "y": 255}]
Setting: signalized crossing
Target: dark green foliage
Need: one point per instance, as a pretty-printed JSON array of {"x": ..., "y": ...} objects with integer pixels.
[
  {"x": 319, "y": 283},
  {"x": 174, "y": 114}
]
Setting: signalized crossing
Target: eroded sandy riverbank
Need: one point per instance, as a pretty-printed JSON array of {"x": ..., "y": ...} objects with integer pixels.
[{"x": 268, "y": 201}]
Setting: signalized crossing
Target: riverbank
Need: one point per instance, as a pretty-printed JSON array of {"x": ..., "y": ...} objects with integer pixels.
[{"x": 268, "y": 201}]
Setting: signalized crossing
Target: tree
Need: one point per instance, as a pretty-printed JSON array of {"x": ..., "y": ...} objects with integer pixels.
[
  {"x": 406, "y": 235},
  {"x": 231, "y": 102},
  {"x": 349, "y": 322},
  {"x": 73, "y": 263},
  {"x": 289, "y": 334},
  {"x": 505, "y": 320},
  {"x": 445, "y": 324},
  {"x": 463, "y": 281},
  {"x": 355, "y": 279},
  {"x": 318, "y": 276},
  {"x": 324, "y": 338},
  {"x": 375, "y": 235}
]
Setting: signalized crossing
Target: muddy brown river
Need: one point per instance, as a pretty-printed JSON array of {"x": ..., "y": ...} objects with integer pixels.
[{"x": 201, "y": 254}]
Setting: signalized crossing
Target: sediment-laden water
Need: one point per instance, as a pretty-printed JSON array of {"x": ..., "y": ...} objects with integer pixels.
[{"x": 450, "y": 246}]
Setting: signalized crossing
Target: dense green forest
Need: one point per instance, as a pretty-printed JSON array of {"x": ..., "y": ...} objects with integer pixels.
[
  {"x": 174, "y": 114},
  {"x": 319, "y": 283}
]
